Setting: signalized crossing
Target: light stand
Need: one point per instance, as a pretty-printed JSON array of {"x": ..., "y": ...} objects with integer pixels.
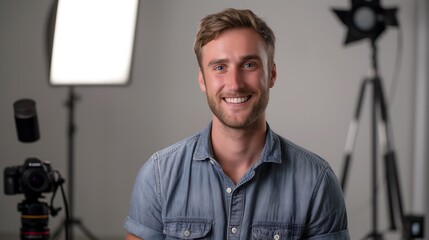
[
  {"x": 93, "y": 49},
  {"x": 71, "y": 131},
  {"x": 379, "y": 115},
  {"x": 367, "y": 19}
]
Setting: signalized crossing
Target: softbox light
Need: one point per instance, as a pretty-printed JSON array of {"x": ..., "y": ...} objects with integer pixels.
[{"x": 93, "y": 42}]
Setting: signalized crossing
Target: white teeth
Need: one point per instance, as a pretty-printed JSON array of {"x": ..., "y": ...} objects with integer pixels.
[{"x": 237, "y": 100}]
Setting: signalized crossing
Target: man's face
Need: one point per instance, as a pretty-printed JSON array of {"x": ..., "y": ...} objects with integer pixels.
[{"x": 234, "y": 75}]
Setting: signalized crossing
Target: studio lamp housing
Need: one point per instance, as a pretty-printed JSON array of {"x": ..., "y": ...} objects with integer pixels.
[{"x": 366, "y": 19}]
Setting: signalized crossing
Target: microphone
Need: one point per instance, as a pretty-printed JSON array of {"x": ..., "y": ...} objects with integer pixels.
[{"x": 26, "y": 122}]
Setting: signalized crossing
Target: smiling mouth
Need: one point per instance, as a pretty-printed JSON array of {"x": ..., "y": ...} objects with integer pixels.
[{"x": 237, "y": 100}]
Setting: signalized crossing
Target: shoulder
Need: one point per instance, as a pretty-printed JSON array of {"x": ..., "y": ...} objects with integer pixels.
[
  {"x": 176, "y": 156},
  {"x": 299, "y": 156},
  {"x": 167, "y": 161},
  {"x": 308, "y": 170},
  {"x": 186, "y": 144},
  {"x": 327, "y": 210}
]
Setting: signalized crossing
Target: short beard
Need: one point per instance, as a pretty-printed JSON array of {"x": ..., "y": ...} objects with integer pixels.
[{"x": 255, "y": 114}]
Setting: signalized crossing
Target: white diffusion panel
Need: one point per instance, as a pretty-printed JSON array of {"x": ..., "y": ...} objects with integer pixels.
[{"x": 93, "y": 42}]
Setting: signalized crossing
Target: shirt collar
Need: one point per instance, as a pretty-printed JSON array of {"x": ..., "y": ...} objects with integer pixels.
[{"x": 270, "y": 153}]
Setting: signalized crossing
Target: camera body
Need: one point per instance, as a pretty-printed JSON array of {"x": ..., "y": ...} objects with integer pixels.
[{"x": 32, "y": 179}]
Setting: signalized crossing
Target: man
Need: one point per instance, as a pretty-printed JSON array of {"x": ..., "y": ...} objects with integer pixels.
[{"x": 236, "y": 179}]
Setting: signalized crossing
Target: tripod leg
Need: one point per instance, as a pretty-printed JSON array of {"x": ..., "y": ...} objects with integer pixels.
[
  {"x": 58, "y": 231},
  {"x": 395, "y": 197},
  {"x": 390, "y": 190},
  {"x": 85, "y": 230},
  {"x": 392, "y": 178},
  {"x": 396, "y": 184},
  {"x": 351, "y": 135}
]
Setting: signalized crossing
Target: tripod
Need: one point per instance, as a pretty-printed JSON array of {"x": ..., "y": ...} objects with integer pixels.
[
  {"x": 70, "y": 104},
  {"x": 379, "y": 115}
]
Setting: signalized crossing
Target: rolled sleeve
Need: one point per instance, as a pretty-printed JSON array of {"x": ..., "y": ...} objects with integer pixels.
[
  {"x": 328, "y": 217},
  {"x": 341, "y": 235},
  {"x": 145, "y": 215}
]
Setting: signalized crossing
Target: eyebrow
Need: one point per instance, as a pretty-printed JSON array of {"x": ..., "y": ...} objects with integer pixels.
[
  {"x": 242, "y": 59},
  {"x": 251, "y": 57},
  {"x": 217, "y": 61}
]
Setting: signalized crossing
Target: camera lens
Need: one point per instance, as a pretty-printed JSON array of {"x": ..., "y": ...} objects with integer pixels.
[{"x": 36, "y": 180}]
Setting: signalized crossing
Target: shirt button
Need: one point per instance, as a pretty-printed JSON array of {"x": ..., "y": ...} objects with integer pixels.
[
  {"x": 228, "y": 190},
  {"x": 187, "y": 233},
  {"x": 234, "y": 230},
  {"x": 276, "y": 237}
]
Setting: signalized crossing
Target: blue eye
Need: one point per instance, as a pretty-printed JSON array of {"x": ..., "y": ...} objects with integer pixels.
[
  {"x": 249, "y": 65},
  {"x": 219, "y": 68}
]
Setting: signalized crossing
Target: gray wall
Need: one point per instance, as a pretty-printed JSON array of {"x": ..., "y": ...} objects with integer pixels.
[{"x": 120, "y": 127}]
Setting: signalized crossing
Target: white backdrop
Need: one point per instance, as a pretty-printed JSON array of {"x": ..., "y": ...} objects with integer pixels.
[{"x": 120, "y": 127}]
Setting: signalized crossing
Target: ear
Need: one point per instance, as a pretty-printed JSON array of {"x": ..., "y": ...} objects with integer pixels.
[
  {"x": 201, "y": 81},
  {"x": 273, "y": 75}
]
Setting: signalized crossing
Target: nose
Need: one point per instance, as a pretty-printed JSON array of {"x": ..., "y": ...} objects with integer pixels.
[{"x": 234, "y": 79}]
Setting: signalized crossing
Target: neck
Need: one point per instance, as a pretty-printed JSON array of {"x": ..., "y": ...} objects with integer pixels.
[{"x": 236, "y": 150}]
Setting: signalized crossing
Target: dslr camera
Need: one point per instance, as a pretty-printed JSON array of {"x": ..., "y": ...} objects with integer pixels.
[{"x": 32, "y": 179}]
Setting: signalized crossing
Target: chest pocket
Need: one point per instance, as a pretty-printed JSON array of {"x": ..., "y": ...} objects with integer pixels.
[
  {"x": 188, "y": 229},
  {"x": 276, "y": 231}
]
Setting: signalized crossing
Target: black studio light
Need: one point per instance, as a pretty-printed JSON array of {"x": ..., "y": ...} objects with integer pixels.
[{"x": 366, "y": 19}]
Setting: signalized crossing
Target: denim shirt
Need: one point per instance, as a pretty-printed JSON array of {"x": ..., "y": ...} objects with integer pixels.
[{"x": 181, "y": 192}]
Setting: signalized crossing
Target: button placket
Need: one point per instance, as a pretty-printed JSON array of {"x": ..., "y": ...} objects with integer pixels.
[{"x": 236, "y": 212}]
